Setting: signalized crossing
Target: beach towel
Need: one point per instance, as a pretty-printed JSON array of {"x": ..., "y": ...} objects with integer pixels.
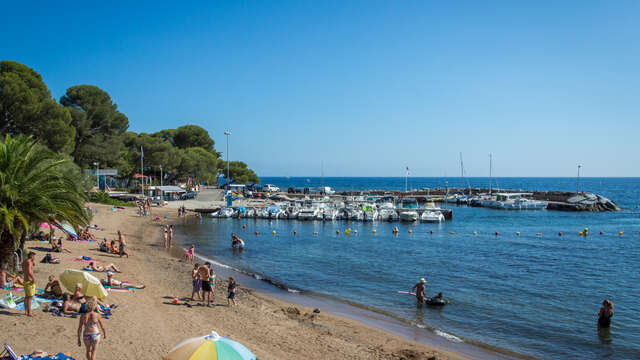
[
  {"x": 59, "y": 356},
  {"x": 120, "y": 289},
  {"x": 83, "y": 260},
  {"x": 35, "y": 303},
  {"x": 21, "y": 289},
  {"x": 87, "y": 269}
]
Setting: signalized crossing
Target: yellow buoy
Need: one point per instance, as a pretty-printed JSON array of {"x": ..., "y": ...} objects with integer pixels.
[
  {"x": 273, "y": 232},
  {"x": 452, "y": 232},
  {"x": 410, "y": 231},
  {"x": 620, "y": 233},
  {"x": 374, "y": 231},
  {"x": 580, "y": 233}
]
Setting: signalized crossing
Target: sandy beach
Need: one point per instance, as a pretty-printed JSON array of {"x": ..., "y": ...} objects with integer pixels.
[{"x": 146, "y": 325}]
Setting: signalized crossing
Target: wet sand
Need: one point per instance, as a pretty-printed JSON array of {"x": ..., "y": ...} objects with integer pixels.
[{"x": 146, "y": 325}]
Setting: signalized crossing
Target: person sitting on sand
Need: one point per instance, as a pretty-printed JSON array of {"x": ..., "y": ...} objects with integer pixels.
[
  {"x": 605, "y": 314},
  {"x": 110, "y": 281},
  {"x": 53, "y": 288},
  {"x": 78, "y": 294},
  {"x": 104, "y": 246},
  {"x": 190, "y": 254},
  {"x": 98, "y": 268},
  {"x": 420, "y": 291},
  {"x": 7, "y": 279},
  {"x": 57, "y": 245},
  {"x": 69, "y": 305},
  {"x": 236, "y": 242}
]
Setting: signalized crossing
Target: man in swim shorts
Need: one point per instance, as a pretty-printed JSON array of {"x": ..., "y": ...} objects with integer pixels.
[
  {"x": 29, "y": 282},
  {"x": 205, "y": 275},
  {"x": 420, "y": 291}
]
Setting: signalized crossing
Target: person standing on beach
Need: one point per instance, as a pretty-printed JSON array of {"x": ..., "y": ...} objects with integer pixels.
[
  {"x": 605, "y": 314},
  {"x": 170, "y": 236},
  {"x": 123, "y": 244},
  {"x": 91, "y": 334},
  {"x": 231, "y": 289},
  {"x": 196, "y": 281},
  {"x": 420, "y": 291},
  {"x": 165, "y": 235},
  {"x": 205, "y": 275},
  {"x": 190, "y": 254},
  {"x": 29, "y": 282}
]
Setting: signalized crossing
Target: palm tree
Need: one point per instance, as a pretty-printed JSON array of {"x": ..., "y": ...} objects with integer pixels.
[{"x": 33, "y": 189}]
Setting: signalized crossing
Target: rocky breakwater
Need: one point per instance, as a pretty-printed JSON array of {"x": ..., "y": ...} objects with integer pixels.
[{"x": 576, "y": 202}]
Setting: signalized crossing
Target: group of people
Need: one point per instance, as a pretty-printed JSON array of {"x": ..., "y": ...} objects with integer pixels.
[
  {"x": 144, "y": 207},
  {"x": 204, "y": 284},
  {"x": 118, "y": 247},
  {"x": 182, "y": 211}
]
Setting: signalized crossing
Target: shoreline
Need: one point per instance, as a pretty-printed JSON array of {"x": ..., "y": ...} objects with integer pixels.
[{"x": 146, "y": 325}]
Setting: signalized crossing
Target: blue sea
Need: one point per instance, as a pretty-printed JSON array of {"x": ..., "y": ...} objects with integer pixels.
[{"x": 536, "y": 293}]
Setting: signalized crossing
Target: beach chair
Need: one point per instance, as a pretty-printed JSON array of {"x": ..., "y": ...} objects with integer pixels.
[{"x": 10, "y": 354}]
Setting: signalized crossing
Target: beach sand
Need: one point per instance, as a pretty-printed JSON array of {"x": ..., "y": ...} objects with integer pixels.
[{"x": 146, "y": 325}]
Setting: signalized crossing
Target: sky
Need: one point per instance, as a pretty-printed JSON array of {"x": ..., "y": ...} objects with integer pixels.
[{"x": 359, "y": 88}]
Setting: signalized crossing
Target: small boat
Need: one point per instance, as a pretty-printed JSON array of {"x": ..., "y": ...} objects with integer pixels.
[
  {"x": 409, "y": 215},
  {"x": 370, "y": 213},
  {"x": 516, "y": 201},
  {"x": 226, "y": 212},
  {"x": 274, "y": 212},
  {"x": 329, "y": 214},
  {"x": 431, "y": 216},
  {"x": 309, "y": 213},
  {"x": 388, "y": 215}
]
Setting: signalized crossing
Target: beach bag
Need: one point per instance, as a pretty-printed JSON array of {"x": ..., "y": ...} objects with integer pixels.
[{"x": 8, "y": 302}]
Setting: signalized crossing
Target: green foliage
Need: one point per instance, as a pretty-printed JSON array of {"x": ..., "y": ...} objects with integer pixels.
[
  {"x": 34, "y": 189},
  {"x": 103, "y": 198},
  {"x": 238, "y": 172},
  {"x": 98, "y": 123},
  {"x": 26, "y": 107}
]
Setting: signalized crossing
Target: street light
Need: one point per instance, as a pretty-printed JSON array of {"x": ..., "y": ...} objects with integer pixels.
[
  {"x": 578, "y": 185},
  {"x": 227, "y": 133},
  {"x": 97, "y": 173},
  {"x": 160, "y": 175}
]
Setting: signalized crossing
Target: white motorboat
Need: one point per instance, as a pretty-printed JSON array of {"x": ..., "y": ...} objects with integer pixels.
[
  {"x": 329, "y": 214},
  {"x": 431, "y": 216},
  {"x": 369, "y": 213},
  {"x": 308, "y": 213},
  {"x": 226, "y": 212},
  {"x": 388, "y": 214},
  {"x": 516, "y": 201},
  {"x": 356, "y": 214},
  {"x": 409, "y": 215}
]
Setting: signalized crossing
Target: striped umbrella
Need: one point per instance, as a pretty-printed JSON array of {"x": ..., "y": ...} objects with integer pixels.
[{"x": 210, "y": 347}]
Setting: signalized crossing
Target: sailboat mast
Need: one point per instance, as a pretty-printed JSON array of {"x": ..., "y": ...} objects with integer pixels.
[
  {"x": 322, "y": 173},
  {"x": 490, "y": 170}
]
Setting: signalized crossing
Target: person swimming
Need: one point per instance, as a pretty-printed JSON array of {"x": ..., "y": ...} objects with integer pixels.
[
  {"x": 236, "y": 242},
  {"x": 605, "y": 314}
]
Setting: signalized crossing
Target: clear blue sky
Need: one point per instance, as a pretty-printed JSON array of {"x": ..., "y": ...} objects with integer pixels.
[{"x": 367, "y": 87}]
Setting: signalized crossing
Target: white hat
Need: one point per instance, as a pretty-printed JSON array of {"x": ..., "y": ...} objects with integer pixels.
[{"x": 422, "y": 280}]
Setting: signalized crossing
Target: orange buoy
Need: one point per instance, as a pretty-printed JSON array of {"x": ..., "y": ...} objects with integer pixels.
[
  {"x": 580, "y": 233},
  {"x": 601, "y": 233},
  {"x": 294, "y": 232},
  {"x": 337, "y": 232},
  {"x": 244, "y": 226},
  {"x": 620, "y": 233},
  {"x": 430, "y": 231},
  {"x": 256, "y": 233},
  {"x": 497, "y": 233}
]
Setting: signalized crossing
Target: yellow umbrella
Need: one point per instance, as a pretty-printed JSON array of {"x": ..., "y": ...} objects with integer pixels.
[
  {"x": 91, "y": 286},
  {"x": 210, "y": 347}
]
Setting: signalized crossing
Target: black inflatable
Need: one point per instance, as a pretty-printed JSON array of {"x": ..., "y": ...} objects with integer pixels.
[{"x": 435, "y": 302}]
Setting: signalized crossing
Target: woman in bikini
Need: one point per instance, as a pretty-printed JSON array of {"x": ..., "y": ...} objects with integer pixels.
[
  {"x": 190, "y": 254},
  {"x": 91, "y": 334},
  {"x": 165, "y": 235},
  {"x": 98, "y": 268}
]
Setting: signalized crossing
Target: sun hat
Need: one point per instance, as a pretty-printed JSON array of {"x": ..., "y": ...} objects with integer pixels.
[{"x": 422, "y": 280}]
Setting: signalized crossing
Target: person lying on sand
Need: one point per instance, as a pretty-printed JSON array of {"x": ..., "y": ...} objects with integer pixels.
[
  {"x": 78, "y": 294},
  {"x": 53, "y": 287},
  {"x": 7, "y": 279},
  {"x": 99, "y": 268},
  {"x": 110, "y": 281}
]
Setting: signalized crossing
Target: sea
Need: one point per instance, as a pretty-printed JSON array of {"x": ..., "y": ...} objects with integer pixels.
[{"x": 517, "y": 282}]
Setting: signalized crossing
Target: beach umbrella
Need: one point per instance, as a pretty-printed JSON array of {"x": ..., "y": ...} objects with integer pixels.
[
  {"x": 91, "y": 286},
  {"x": 47, "y": 225},
  {"x": 68, "y": 229},
  {"x": 210, "y": 347}
]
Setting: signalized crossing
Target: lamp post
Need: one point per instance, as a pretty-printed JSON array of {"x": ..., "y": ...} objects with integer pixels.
[
  {"x": 97, "y": 174},
  {"x": 578, "y": 185},
  {"x": 160, "y": 175},
  {"x": 227, "y": 133}
]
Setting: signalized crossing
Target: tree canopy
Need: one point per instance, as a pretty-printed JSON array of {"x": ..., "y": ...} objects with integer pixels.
[
  {"x": 98, "y": 124},
  {"x": 87, "y": 126},
  {"x": 26, "y": 107}
]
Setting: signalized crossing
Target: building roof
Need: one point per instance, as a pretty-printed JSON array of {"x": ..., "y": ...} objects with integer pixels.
[{"x": 170, "y": 189}]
